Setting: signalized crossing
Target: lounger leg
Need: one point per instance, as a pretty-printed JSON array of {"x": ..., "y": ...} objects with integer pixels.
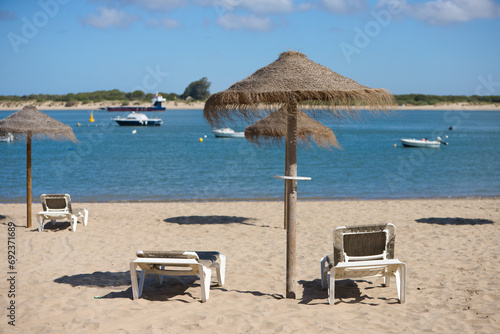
[
  {"x": 141, "y": 282},
  {"x": 324, "y": 273},
  {"x": 85, "y": 217},
  {"x": 74, "y": 220},
  {"x": 40, "y": 223},
  {"x": 159, "y": 278},
  {"x": 221, "y": 270},
  {"x": 205, "y": 276},
  {"x": 133, "y": 278},
  {"x": 387, "y": 278},
  {"x": 401, "y": 282},
  {"x": 331, "y": 286}
]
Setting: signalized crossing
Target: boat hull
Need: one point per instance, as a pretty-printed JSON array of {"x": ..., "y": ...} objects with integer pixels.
[
  {"x": 156, "y": 106},
  {"x": 138, "y": 123},
  {"x": 7, "y": 138},
  {"x": 420, "y": 143},
  {"x": 135, "y": 109},
  {"x": 228, "y": 133},
  {"x": 138, "y": 119}
]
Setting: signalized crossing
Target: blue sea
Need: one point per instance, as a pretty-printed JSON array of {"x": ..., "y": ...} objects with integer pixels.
[{"x": 169, "y": 163}]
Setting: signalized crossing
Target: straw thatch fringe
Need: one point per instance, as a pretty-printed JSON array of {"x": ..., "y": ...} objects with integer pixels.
[
  {"x": 294, "y": 77},
  {"x": 273, "y": 129},
  {"x": 30, "y": 122},
  {"x": 305, "y": 141}
]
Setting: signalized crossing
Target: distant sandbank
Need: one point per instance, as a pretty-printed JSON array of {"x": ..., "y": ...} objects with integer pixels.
[
  {"x": 96, "y": 106},
  {"x": 175, "y": 105}
]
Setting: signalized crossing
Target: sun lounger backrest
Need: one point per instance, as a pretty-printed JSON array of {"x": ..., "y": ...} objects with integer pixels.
[
  {"x": 168, "y": 254},
  {"x": 56, "y": 202},
  {"x": 365, "y": 240},
  {"x": 364, "y": 244}
]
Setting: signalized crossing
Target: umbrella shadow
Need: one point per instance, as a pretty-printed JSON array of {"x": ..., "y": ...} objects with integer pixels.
[
  {"x": 346, "y": 291},
  {"x": 454, "y": 221},
  {"x": 211, "y": 220},
  {"x": 257, "y": 293}
]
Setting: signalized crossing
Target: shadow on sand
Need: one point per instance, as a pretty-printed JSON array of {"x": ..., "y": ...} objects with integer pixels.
[
  {"x": 346, "y": 291},
  {"x": 211, "y": 220},
  {"x": 454, "y": 221},
  {"x": 171, "y": 287}
]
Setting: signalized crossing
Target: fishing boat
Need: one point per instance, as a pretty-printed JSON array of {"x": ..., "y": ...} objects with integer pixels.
[
  {"x": 423, "y": 143},
  {"x": 8, "y": 137},
  {"x": 157, "y": 106},
  {"x": 138, "y": 119},
  {"x": 228, "y": 133}
]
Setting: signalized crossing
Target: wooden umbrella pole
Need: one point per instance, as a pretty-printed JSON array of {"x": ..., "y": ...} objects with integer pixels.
[
  {"x": 28, "y": 178},
  {"x": 291, "y": 199},
  {"x": 285, "y": 200}
]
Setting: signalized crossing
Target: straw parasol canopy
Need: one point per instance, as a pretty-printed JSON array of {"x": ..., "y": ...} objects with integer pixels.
[
  {"x": 29, "y": 123},
  {"x": 293, "y": 81},
  {"x": 294, "y": 76},
  {"x": 272, "y": 129}
]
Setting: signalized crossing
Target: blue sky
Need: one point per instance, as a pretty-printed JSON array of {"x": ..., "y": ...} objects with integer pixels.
[{"x": 69, "y": 46}]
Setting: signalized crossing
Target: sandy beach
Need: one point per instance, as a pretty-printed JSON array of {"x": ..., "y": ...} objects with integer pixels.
[
  {"x": 175, "y": 105},
  {"x": 449, "y": 246}
]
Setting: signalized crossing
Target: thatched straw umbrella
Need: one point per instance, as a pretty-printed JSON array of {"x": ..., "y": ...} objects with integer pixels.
[
  {"x": 292, "y": 81},
  {"x": 30, "y": 123}
]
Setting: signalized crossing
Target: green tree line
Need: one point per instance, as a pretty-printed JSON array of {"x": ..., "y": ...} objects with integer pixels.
[
  {"x": 422, "y": 100},
  {"x": 197, "y": 90}
]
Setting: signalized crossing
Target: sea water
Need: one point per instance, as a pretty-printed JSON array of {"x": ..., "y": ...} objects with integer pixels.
[{"x": 169, "y": 162}]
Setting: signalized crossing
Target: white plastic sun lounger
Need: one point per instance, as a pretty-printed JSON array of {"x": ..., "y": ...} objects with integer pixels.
[
  {"x": 178, "y": 263},
  {"x": 58, "y": 207},
  {"x": 362, "y": 252}
]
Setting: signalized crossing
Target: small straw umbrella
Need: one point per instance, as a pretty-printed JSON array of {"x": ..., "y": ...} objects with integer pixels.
[
  {"x": 292, "y": 81},
  {"x": 30, "y": 123},
  {"x": 272, "y": 130}
]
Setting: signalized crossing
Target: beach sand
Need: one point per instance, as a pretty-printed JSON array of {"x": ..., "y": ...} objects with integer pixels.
[{"x": 449, "y": 246}]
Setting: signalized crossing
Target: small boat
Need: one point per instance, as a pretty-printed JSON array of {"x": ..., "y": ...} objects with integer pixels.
[
  {"x": 138, "y": 119},
  {"x": 157, "y": 100},
  {"x": 228, "y": 133},
  {"x": 9, "y": 137},
  {"x": 424, "y": 142}
]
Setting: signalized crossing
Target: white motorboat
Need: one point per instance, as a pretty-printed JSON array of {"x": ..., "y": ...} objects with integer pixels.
[
  {"x": 9, "y": 137},
  {"x": 424, "y": 142},
  {"x": 138, "y": 119},
  {"x": 228, "y": 133}
]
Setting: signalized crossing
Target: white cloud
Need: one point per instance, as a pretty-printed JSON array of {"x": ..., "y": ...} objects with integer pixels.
[
  {"x": 160, "y": 5},
  {"x": 163, "y": 23},
  {"x": 237, "y": 22},
  {"x": 109, "y": 17},
  {"x": 152, "y": 5},
  {"x": 254, "y": 6},
  {"x": 443, "y": 12},
  {"x": 452, "y": 11},
  {"x": 345, "y": 6}
]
